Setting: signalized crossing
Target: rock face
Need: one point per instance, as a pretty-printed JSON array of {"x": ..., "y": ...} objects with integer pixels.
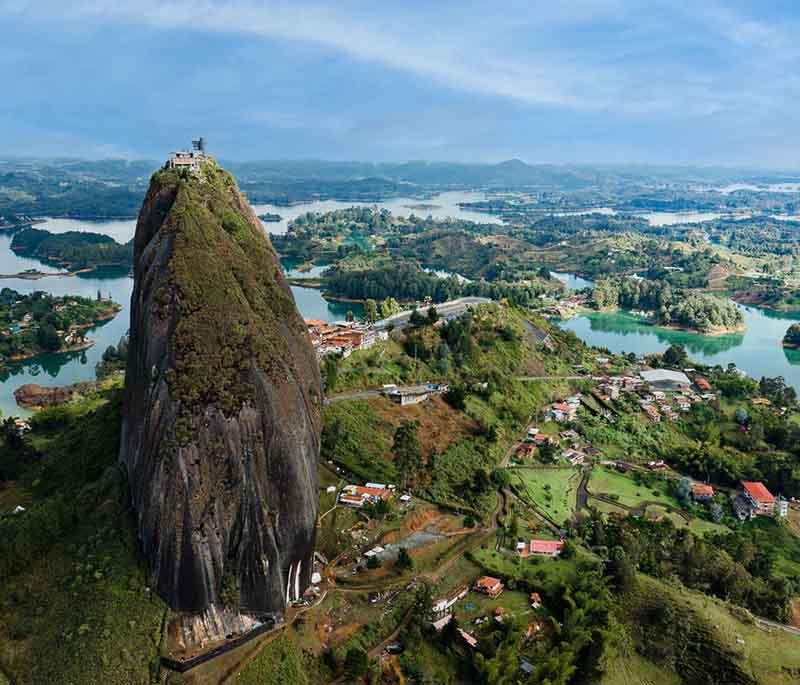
[{"x": 220, "y": 435}]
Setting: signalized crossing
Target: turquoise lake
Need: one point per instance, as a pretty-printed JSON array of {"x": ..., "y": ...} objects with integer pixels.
[{"x": 757, "y": 351}]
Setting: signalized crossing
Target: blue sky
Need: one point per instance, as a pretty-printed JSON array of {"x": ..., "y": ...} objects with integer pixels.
[{"x": 569, "y": 81}]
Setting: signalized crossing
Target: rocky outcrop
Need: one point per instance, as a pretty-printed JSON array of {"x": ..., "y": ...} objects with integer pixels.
[
  {"x": 32, "y": 395},
  {"x": 220, "y": 435}
]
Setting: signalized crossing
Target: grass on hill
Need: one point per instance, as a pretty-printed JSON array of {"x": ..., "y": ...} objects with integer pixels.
[
  {"x": 606, "y": 481},
  {"x": 703, "y": 639},
  {"x": 73, "y": 583},
  {"x": 552, "y": 490}
]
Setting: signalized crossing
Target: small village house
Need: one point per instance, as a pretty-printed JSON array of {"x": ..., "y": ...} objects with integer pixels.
[
  {"x": 492, "y": 587},
  {"x": 702, "y": 492},
  {"x": 546, "y": 548},
  {"x": 761, "y": 500}
]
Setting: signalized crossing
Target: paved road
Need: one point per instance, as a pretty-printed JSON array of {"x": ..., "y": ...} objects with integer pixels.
[
  {"x": 445, "y": 310},
  {"x": 764, "y": 622},
  {"x": 354, "y": 395}
]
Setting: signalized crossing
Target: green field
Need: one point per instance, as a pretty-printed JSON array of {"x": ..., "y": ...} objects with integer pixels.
[
  {"x": 608, "y": 482},
  {"x": 513, "y": 601},
  {"x": 551, "y": 489}
]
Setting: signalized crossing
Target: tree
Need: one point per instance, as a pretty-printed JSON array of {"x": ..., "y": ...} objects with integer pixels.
[
  {"x": 371, "y": 311},
  {"x": 621, "y": 570},
  {"x": 330, "y": 371},
  {"x": 48, "y": 339},
  {"x": 792, "y": 336},
  {"x": 404, "y": 561},
  {"x": 684, "y": 491},
  {"x": 389, "y": 307},
  {"x": 416, "y": 319},
  {"x": 433, "y": 315},
  {"x": 350, "y": 316},
  {"x": 675, "y": 355},
  {"x": 356, "y": 662},
  {"x": 407, "y": 452},
  {"x": 741, "y": 416}
]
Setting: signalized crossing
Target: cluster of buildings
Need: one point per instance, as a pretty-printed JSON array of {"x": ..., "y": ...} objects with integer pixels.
[
  {"x": 563, "y": 412},
  {"x": 576, "y": 454},
  {"x": 756, "y": 500},
  {"x": 342, "y": 337},
  {"x": 359, "y": 496},
  {"x": 189, "y": 159},
  {"x": 669, "y": 393}
]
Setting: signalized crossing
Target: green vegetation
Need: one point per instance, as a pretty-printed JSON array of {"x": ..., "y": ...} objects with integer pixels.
[
  {"x": 627, "y": 491},
  {"x": 551, "y": 490},
  {"x": 76, "y": 606},
  {"x": 682, "y": 308},
  {"x": 792, "y": 337},
  {"x": 280, "y": 663},
  {"x": 39, "y": 322},
  {"x": 73, "y": 249},
  {"x": 226, "y": 298}
]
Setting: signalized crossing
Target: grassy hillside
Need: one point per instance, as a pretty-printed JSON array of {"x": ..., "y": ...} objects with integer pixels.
[
  {"x": 700, "y": 640},
  {"x": 75, "y": 606}
]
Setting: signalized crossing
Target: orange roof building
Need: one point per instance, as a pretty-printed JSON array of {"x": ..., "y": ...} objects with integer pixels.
[{"x": 489, "y": 586}]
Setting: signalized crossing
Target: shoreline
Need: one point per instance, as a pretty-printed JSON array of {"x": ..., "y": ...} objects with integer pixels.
[{"x": 741, "y": 328}]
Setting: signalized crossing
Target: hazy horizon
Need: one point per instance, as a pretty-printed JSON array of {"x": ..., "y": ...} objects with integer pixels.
[{"x": 609, "y": 82}]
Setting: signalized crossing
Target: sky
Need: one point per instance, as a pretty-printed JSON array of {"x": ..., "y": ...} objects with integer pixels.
[{"x": 573, "y": 81}]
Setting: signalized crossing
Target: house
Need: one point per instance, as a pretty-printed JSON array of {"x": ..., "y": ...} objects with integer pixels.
[
  {"x": 574, "y": 457},
  {"x": 684, "y": 403},
  {"x": 361, "y": 495},
  {"x": 560, "y": 412},
  {"x": 656, "y": 465},
  {"x": 659, "y": 395},
  {"x": 470, "y": 640},
  {"x": 536, "y": 600},
  {"x": 652, "y": 413},
  {"x": 439, "y": 624},
  {"x": 702, "y": 384},
  {"x": 762, "y": 501},
  {"x": 525, "y": 450},
  {"x": 609, "y": 390},
  {"x": 546, "y": 548},
  {"x": 542, "y": 439},
  {"x": 413, "y": 394},
  {"x": 702, "y": 492},
  {"x": 761, "y": 401},
  {"x": 489, "y": 586},
  {"x": 443, "y": 605}
]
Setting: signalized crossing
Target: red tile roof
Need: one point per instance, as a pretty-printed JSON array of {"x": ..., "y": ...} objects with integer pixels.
[
  {"x": 487, "y": 582},
  {"x": 561, "y": 406},
  {"x": 758, "y": 492},
  {"x": 701, "y": 490},
  {"x": 546, "y": 546}
]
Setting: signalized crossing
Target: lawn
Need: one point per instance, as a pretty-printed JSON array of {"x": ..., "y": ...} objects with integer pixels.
[
  {"x": 552, "y": 490},
  {"x": 609, "y": 482},
  {"x": 606, "y": 507},
  {"x": 476, "y": 604},
  {"x": 625, "y": 669}
]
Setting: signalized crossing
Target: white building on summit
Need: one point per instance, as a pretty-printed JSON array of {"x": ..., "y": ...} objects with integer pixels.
[{"x": 189, "y": 159}]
